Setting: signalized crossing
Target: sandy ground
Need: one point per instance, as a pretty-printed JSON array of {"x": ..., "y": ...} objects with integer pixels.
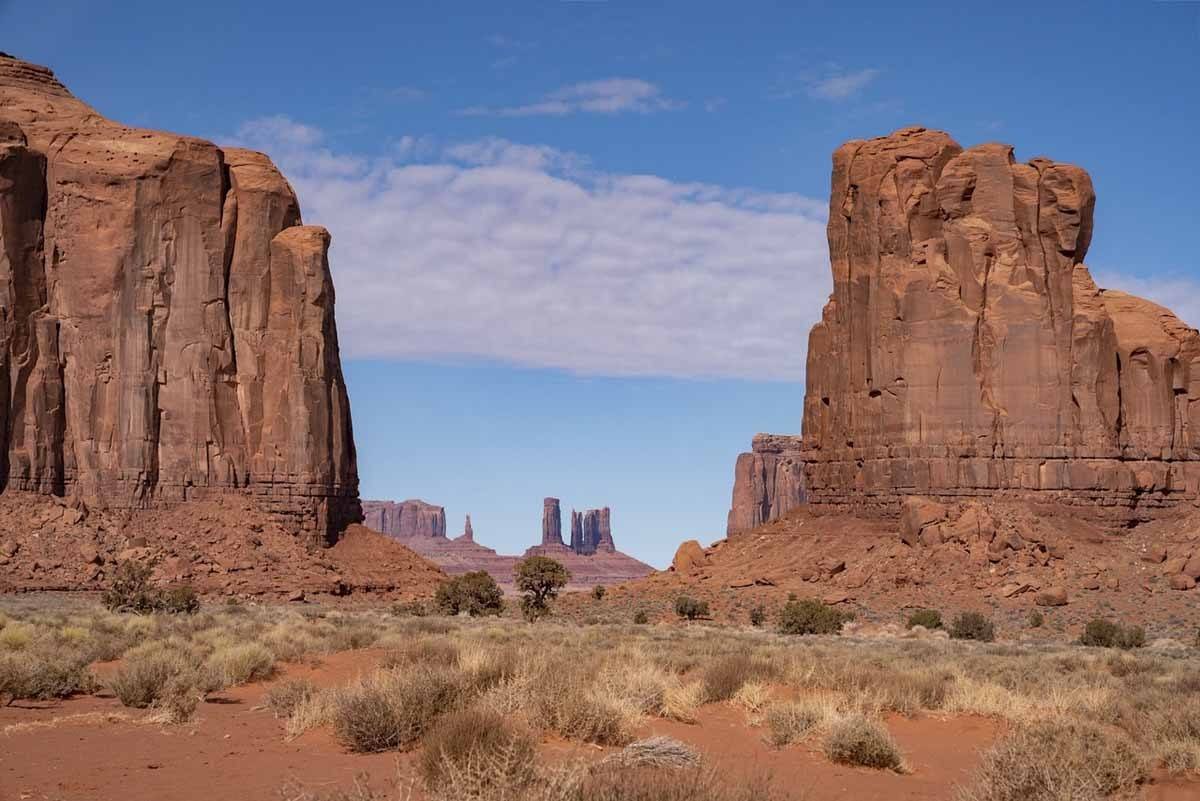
[{"x": 93, "y": 748}]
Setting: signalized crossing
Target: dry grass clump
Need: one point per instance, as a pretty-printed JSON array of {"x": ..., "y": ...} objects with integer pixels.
[
  {"x": 681, "y": 701},
  {"x": 284, "y": 698},
  {"x": 147, "y": 671},
  {"x": 473, "y": 749},
  {"x": 726, "y": 675},
  {"x": 390, "y": 710},
  {"x": 752, "y": 696},
  {"x": 855, "y": 739},
  {"x": 671, "y": 784},
  {"x": 1058, "y": 760},
  {"x": 238, "y": 664},
  {"x": 791, "y": 721}
]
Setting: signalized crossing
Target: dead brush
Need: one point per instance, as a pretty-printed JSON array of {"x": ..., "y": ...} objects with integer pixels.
[
  {"x": 473, "y": 750},
  {"x": 654, "y": 752}
]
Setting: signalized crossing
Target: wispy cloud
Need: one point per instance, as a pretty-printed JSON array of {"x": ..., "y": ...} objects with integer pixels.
[
  {"x": 609, "y": 96},
  {"x": 1178, "y": 292},
  {"x": 526, "y": 255},
  {"x": 830, "y": 82},
  {"x": 839, "y": 85}
]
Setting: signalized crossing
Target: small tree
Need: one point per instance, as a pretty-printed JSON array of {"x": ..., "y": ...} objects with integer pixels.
[
  {"x": 926, "y": 618},
  {"x": 758, "y": 616},
  {"x": 689, "y": 608},
  {"x": 131, "y": 591},
  {"x": 1106, "y": 634},
  {"x": 539, "y": 578},
  {"x": 475, "y": 593},
  {"x": 972, "y": 626},
  {"x": 810, "y": 616},
  {"x": 598, "y": 592}
]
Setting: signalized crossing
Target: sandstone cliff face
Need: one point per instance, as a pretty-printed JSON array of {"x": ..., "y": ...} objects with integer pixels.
[
  {"x": 966, "y": 350},
  {"x": 166, "y": 322},
  {"x": 407, "y": 519}
]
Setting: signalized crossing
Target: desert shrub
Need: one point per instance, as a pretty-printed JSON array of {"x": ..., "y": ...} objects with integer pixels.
[
  {"x": 423, "y": 651},
  {"x": 690, "y": 609},
  {"x": 617, "y": 783},
  {"x": 143, "y": 677},
  {"x": 409, "y": 609},
  {"x": 179, "y": 699},
  {"x": 758, "y": 616},
  {"x": 790, "y": 722},
  {"x": 810, "y": 616},
  {"x": 1036, "y": 619},
  {"x": 242, "y": 663},
  {"x": 599, "y": 591},
  {"x": 640, "y": 617},
  {"x": 42, "y": 674},
  {"x": 1107, "y": 634},
  {"x": 972, "y": 626},
  {"x": 1057, "y": 759},
  {"x": 285, "y": 697},
  {"x": 475, "y": 593},
  {"x": 130, "y": 590},
  {"x": 928, "y": 618},
  {"x": 726, "y": 675},
  {"x": 539, "y": 578},
  {"x": 481, "y": 742},
  {"x": 857, "y": 740},
  {"x": 16, "y": 636},
  {"x": 392, "y": 709}
]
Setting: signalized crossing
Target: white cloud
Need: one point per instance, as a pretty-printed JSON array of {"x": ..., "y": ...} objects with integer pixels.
[
  {"x": 500, "y": 251},
  {"x": 609, "y": 96},
  {"x": 1178, "y": 293},
  {"x": 839, "y": 85}
]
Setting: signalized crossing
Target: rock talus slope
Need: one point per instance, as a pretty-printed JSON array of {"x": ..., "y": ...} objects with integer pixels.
[
  {"x": 166, "y": 321},
  {"x": 967, "y": 352}
]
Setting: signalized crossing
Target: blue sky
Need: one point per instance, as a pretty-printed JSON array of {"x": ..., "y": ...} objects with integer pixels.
[{"x": 578, "y": 246}]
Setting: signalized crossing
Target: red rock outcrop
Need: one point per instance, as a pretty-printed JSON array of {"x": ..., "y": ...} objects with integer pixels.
[
  {"x": 405, "y": 520},
  {"x": 166, "y": 322},
  {"x": 967, "y": 352}
]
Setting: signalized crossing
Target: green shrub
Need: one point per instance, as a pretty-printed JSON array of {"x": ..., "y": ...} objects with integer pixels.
[
  {"x": 130, "y": 591},
  {"x": 972, "y": 626},
  {"x": 599, "y": 591},
  {"x": 143, "y": 678},
  {"x": 758, "y": 616},
  {"x": 810, "y": 616},
  {"x": 1035, "y": 620},
  {"x": 539, "y": 578},
  {"x": 479, "y": 749},
  {"x": 1107, "y": 634},
  {"x": 44, "y": 674},
  {"x": 858, "y": 740},
  {"x": 928, "y": 618},
  {"x": 475, "y": 593},
  {"x": 640, "y": 617},
  {"x": 689, "y": 608}
]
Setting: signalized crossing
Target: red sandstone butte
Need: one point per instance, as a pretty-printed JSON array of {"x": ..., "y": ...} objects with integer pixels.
[
  {"x": 167, "y": 330},
  {"x": 967, "y": 352}
]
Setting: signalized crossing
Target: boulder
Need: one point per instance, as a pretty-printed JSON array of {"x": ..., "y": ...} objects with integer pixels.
[
  {"x": 1052, "y": 596},
  {"x": 1181, "y": 581},
  {"x": 1192, "y": 567},
  {"x": 689, "y": 557},
  {"x": 917, "y": 513}
]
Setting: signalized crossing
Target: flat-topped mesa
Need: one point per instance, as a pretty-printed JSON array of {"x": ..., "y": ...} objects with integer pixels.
[
  {"x": 406, "y": 520},
  {"x": 166, "y": 322},
  {"x": 966, "y": 351}
]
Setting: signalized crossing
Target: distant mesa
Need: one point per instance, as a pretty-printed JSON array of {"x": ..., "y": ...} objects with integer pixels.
[{"x": 591, "y": 556}]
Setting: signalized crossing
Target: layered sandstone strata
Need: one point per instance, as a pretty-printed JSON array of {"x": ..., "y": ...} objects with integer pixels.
[
  {"x": 166, "y": 321},
  {"x": 966, "y": 350},
  {"x": 406, "y": 519}
]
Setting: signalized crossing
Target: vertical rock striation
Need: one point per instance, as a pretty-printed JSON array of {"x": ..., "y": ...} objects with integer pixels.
[
  {"x": 166, "y": 321},
  {"x": 966, "y": 350}
]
